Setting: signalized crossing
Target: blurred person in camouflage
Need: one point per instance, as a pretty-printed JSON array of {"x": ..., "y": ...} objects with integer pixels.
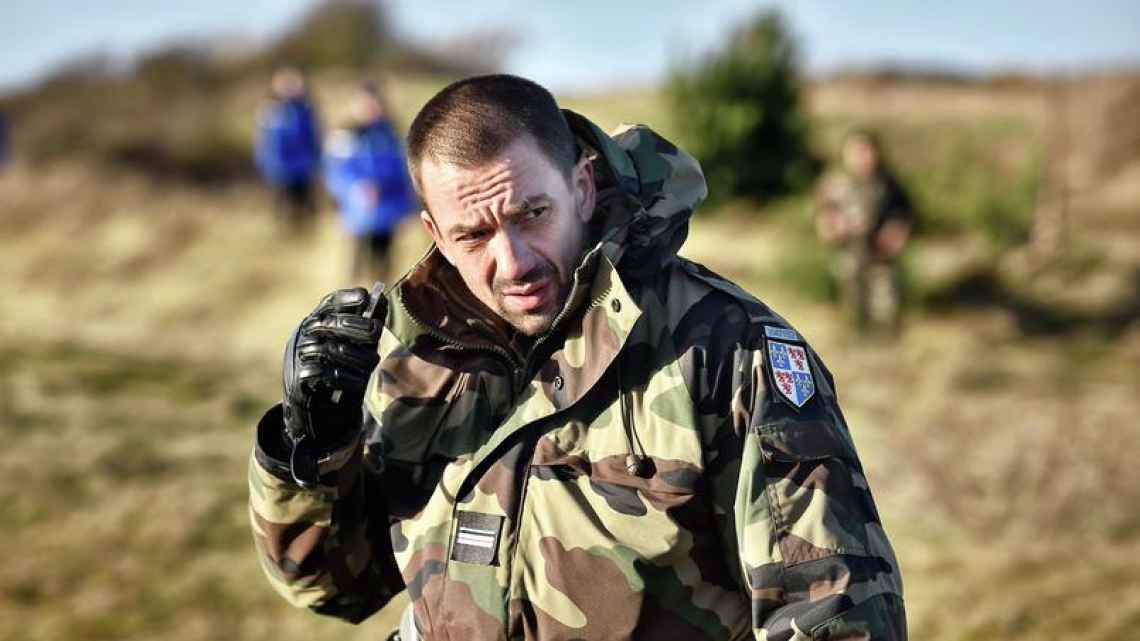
[
  {"x": 366, "y": 172},
  {"x": 287, "y": 147},
  {"x": 863, "y": 209},
  {"x": 553, "y": 426}
]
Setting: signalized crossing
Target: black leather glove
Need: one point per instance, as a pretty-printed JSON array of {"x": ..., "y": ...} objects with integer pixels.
[{"x": 327, "y": 364}]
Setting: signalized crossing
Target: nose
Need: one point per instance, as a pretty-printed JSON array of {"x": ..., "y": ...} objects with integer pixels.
[{"x": 513, "y": 256}]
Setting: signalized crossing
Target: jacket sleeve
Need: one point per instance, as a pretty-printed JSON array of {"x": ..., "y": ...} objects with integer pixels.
[
  {"x": 812, "y": 553},
  {"x": 326, "y": 549},
  {"x": 898, "y": 205},
  {"x": 311, "y": 128},
  {"x": 5, "y": 142}
]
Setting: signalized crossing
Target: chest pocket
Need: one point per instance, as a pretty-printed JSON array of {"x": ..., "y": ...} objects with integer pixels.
[
  {"x": 419, "y": 435},
  {"x": 625, "y": 484},
  {"x": 601, "y": 505},
  {"x": 590, "y": 467}
]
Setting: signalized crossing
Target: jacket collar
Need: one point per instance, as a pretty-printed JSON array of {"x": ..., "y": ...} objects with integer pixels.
[{"x": 589, "y": 350}]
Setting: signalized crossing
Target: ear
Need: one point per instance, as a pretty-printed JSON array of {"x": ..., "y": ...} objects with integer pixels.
[
  {"x": 434, "y": 232},
  {"x": 584, "y": 187}
]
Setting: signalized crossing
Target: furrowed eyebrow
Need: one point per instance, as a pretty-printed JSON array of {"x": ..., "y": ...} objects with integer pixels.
[
  {"x": 459, "y": 229},
  {"x": 527, "y": 204},
  {"x": 515, "y": 211}
]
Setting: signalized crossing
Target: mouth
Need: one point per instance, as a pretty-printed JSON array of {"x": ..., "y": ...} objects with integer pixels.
[{"x": 528, "y": 297}]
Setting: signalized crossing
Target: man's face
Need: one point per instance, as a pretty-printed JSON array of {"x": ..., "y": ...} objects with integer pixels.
[
  {"x": 288, "y": 83},
  {"x": 514, "y": 227},
  {"x": 860, "y": 157},
  {"x": 366, "y": 108}
]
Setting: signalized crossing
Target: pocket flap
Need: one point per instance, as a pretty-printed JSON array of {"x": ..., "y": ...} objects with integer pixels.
[{"x": 797, "y": 441}]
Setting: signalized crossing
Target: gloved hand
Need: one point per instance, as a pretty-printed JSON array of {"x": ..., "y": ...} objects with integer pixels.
[{"x": 327, "y": 363}]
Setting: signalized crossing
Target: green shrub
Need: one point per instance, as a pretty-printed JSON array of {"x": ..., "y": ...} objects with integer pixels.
[
  {"x": 1005, "y": 215},
  {"x": 807, "y": 269},
  {"x": 349, "y": 33},
  {"x": 738, "y": 112}
]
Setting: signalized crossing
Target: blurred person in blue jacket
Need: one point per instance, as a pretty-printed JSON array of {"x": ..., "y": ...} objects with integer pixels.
[
  {"x": 287, "y": 147},
  {"x": 366, "y": 173},
  {"x": 5, "y": 142}
]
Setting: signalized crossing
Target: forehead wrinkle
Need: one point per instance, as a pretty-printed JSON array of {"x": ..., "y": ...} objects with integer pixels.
[
  {"x": 487, "y": 194},
  {"x": 478, "y": 197},
  {"x": 490, "y": 185}
]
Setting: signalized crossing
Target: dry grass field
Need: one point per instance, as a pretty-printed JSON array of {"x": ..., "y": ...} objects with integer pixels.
[{"x": 142, "y": 322}]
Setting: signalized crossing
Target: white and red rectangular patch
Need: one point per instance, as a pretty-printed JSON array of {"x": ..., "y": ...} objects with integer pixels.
[{"x": 477, "y": 538}]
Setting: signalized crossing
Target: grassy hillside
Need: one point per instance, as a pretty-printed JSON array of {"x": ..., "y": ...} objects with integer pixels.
[{"x": 143, "y": 320}]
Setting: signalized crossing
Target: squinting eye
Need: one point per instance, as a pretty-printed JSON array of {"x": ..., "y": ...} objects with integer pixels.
[
  {"x": 536, "y": 212},
  {"x": 472, "y": 237}
]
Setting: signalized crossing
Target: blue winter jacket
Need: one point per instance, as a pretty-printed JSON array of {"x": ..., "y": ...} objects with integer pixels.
[
  {"x": 287, "y": 148},
  {"x": 4, "y": 142},
  {"x": 371, "y": 154}
]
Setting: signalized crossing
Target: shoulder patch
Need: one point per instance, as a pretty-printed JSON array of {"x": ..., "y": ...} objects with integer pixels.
[{"x": 789, "y": 369}]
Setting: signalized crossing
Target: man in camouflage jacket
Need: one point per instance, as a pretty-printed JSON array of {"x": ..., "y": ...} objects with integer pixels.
[
  {"x": 572, "y": 433},
  {"x": 863, "y": 208}
]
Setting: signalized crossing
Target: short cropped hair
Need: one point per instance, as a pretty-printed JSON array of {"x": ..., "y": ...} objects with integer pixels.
[
  {"x": 868, "y": 136},
  {"x": 472, "y": 120}
]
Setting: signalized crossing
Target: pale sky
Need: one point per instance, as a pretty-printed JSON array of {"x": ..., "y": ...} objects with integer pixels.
[{"x": 600, "y": 43}]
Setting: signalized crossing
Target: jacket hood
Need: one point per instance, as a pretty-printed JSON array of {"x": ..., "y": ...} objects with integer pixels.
[{"x": 647, "y": 190}]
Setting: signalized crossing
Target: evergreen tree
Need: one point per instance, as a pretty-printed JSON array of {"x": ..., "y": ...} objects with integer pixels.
[{"x": 738, "y": 112}]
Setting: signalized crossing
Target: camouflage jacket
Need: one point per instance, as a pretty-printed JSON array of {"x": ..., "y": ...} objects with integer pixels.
[{"x": 670, "y": 462}]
